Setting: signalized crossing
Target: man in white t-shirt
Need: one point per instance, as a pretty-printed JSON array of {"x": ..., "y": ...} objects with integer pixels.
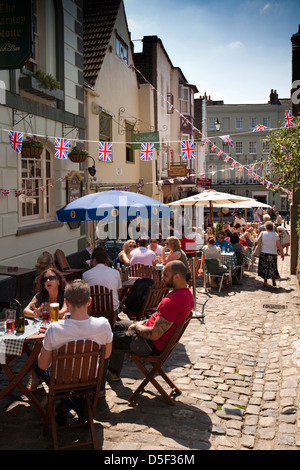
[
  {"x": 102, "y": 275},
  {"x": 79, "y": 326},
  {"x": 239, "y": 220},
  {"x": 142, "y": 254},
  {"x": 155, "y": 246}
]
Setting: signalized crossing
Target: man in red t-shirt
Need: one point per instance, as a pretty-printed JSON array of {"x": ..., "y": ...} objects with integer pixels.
[{"x": 152, "y": 335}]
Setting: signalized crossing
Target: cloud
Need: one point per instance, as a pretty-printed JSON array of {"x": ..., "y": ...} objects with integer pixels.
[
  {"x": 234, "y": 45},
  {"x": 266, "y": 7}
]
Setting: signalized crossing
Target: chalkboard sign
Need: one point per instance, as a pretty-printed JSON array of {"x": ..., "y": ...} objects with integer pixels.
[{"x": 74, "y": 191}]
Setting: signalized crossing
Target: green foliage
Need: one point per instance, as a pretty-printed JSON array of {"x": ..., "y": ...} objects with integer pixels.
[
  {"x": 78, "y": 151},
  {"x": 31, "y": 142},
  {"x": 284, "y": 155},
  {"x": 47, "y": 80}
]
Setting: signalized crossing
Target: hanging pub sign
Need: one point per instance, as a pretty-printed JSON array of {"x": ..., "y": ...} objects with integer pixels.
[
  {"x": 16, "y": 33},
  {"x": 139, "y": 138},
  {"x": 74, "y": 191}
]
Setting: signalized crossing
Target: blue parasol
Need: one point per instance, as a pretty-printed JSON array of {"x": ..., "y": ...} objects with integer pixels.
[{"x": 112, "y": 205}]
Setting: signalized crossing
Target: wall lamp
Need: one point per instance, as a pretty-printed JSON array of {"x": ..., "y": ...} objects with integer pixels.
[
  {"x": 92, "y": 169},
  {"x": 217, "y": 125}
]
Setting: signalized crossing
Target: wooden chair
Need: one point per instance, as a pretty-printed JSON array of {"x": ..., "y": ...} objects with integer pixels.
[
  {"x": 142, "y": 270},
  {"x": 63, "y": 266},
  {"x": 212, "y": 268},
  {"x": 156, "y": 363},
  {"x": 240, "y": 265},
  {"x": 76, "y": 370},
  {"x": 102, "y": 303},
  {"x": 154, "y": 296}
]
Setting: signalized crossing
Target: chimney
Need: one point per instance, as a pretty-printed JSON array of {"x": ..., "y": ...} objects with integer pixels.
[{"x": 274, "y": 97}]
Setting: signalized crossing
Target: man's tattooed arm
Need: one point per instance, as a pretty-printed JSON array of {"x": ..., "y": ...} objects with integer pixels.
[{"x": 152, "y": 332}]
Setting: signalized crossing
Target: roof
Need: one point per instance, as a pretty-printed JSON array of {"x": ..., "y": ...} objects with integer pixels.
[{"x": 99, "y": 18}]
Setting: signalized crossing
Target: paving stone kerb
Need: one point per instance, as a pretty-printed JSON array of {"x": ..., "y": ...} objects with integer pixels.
[{"x": 239, "y": 372}]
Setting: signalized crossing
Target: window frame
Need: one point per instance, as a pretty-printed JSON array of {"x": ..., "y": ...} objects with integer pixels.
[{"x": 46, "y": 197}]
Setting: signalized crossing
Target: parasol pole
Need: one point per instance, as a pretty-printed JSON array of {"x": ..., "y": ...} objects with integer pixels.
[{"x": 211, "y": 216}]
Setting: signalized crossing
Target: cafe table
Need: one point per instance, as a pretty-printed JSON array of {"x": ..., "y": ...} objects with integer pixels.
[
  {"x": 229, "y": 260},
  {"x": 19, "y": 274},
  {"x": 12, "y": 346}
]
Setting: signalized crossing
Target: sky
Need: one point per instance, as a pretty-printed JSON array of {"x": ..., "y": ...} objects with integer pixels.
[{"x": 235, "y": 51}]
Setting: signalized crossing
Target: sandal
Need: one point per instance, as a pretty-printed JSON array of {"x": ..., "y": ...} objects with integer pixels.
[{"x": 33, "y": 384}]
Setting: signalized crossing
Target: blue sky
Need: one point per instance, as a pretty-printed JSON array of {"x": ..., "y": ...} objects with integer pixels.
[{"x": 232, "y": 50}]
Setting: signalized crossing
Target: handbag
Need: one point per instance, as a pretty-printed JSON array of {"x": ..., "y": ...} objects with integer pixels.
[{"x": 257, "y": 249}]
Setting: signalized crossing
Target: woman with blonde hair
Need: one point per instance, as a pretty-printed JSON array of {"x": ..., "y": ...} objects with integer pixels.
[
  {"x": 124, "y": 255},
  {"x": 175, "y": 253}
]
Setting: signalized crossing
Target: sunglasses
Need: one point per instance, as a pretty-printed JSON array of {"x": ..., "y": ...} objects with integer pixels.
[
  {"x": 153, "y": 241},
  {"x": 132, "y": 246},
  {"x": 50, "y": 278},
  {"x": 221, "y": 238}
]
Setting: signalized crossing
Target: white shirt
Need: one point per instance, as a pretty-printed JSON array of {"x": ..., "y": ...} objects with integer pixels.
[
  {"x": 269, "y": 240},
  {"x": 102, "y": 275},
  {"x": 240, "y": 221},
  {"x": 142, "y": 255},
  {"x": 158, "y": 249},
  {"x": 64, "y": 331}
]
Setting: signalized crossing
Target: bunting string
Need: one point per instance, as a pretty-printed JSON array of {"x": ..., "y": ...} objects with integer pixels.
[{"x": 105, "y": 149}]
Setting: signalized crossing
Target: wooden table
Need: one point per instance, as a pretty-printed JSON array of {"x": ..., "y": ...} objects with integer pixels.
[
  {"x": 15, "y": 379},
  {"x": 19, "y": 274}
]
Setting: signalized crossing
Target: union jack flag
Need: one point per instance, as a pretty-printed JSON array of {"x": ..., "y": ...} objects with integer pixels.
[
  {"x": 147, "y": 151},
  {"x": 220, "y": 153},
  {"x": 16, "y": 139},
  {"x": 260, "y": 127},
  {"x": 227, "y": 139},
  {"x": 288, "y": 118},
  {"x": 227, "y": 158},
  {"x": 61, "y": 148},
  {"x": 105, "y": 151},
  {"x": 187, "y": 148},
  {"x": 213, "y": 147},
  {"x": 233, "y": 163}
]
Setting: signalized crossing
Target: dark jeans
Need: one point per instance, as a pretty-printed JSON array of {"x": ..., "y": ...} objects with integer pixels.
[{"x": 125, "y": 340}]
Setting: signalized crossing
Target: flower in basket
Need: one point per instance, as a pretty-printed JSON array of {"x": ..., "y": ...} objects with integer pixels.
[
  {"x": 31, "y": 147},
  {"x": 77, "y": 154},
  {"x": 32, "y": 142}
]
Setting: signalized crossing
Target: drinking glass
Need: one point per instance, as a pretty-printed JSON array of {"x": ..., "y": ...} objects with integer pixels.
[
  {"x": 54, "y": 311},
  {"x": 46, "y": 312},
  {"x": 10, "y": 318}
]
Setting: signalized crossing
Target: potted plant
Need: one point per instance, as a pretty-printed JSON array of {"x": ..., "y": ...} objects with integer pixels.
[
  {"x": 31, "y": 147},
  {"x": 77, "y": 154}
]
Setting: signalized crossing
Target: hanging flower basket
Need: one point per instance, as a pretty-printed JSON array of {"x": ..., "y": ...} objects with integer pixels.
[
  {"x": 31, "y": 152},
  {"x": 78, "y": 155},
  {"x": 32, "y": 147}
]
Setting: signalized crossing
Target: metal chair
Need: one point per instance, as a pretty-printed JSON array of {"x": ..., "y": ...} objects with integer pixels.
[
  {"x": 102, "y": 303},
  {"x": 212, "y": 268},
  {"x": 156, "y": 364},
  {"x": 76, "y": 370}
]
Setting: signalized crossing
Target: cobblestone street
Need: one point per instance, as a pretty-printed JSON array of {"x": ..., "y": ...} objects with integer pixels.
[{"x": 239, "y": 372}]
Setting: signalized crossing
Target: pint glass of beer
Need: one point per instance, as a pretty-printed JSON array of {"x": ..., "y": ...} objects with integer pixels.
[{"x": 54, "y": 309}]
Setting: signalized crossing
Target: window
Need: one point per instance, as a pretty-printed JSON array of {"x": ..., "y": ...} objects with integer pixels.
[
  {"x": 105, "y": 124},
  {"x": 36, "y": 176},
  {"x": 239, "y": 123},
  {"x": 212, "y": 169},
  {"x": 225, "y": 174},
  {"x": 252, "y": 147},
  {"x": 266, "y": 147},
  {"x": 266, "y": 121},
  {"x": 226, "y": 148},
  {"x": 129, "y": 149},
  {"x": 211, "y": 123},
  {"x": 170, "y": 107},
  {"x": 185, "y": 101},
  {"x": 239, "y": 175},
  {"x": 211, "y": 149},
  {"x": 121, "y": 48},
  {"x": 252, "y": 123},
  {"x": 239, "y": 148}
]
